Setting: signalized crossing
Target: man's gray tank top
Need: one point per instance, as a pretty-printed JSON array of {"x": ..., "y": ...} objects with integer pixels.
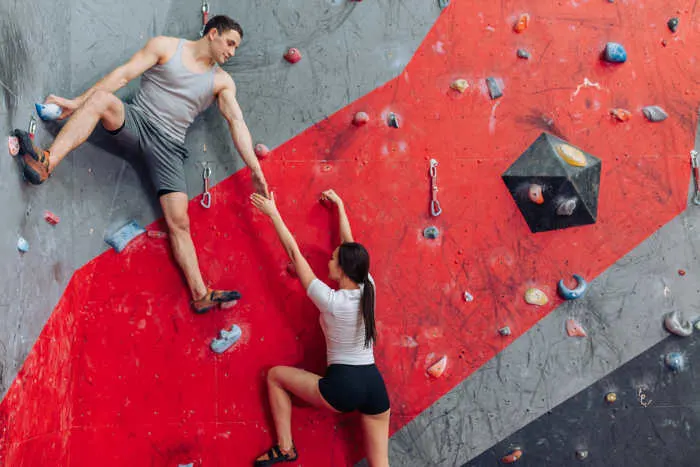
[{"x": 172, "y": 96}]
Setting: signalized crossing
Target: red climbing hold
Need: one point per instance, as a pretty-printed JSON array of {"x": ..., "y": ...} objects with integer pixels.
[
  {"x": 51, "y": 218},
  {"x": 291, "y": 270},
  {"x": 522, "y": 23},
  {"x": 512, "y": 457},
  {"x": 156, "y": 234},
  {"x": 261, "y": 151},
  {"x": 574, "y": 329},
  {"x": 293, "y": 55},
  {"x": 681, "y": 272},
  {"x": 621, "y": 114},
  {"x": 438, "y": 368},
  {"x": 361, "y": 118}
]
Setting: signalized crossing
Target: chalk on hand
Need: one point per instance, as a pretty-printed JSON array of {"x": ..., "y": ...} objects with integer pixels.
[
  {"x": 226, "y": 339},
  {"x": 48, "y": 111},
  {"x": 121, "y": 238}
]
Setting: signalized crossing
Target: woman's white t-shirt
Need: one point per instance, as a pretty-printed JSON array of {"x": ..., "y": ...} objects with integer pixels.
[{"x": 342, "y": 323}]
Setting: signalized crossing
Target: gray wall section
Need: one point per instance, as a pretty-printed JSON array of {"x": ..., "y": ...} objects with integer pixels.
[
  {"x": 63, "y": 47},
  {"x": 622, "y": 314}
]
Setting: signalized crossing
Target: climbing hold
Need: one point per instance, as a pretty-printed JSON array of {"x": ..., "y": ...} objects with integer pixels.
[
  {"x": 393, "y": 120},
  {"x": 292, "y": 55},
  {"x": 578, "y": 292},
  {"x": 615, "y": 53},
  {"x": 512, "y": 457},
  {"x": 291, "y": 270},
  {"x": 48, "y": 112},
  {"x": 522, "y": 23},
  {"x": 581, "y": 454},
  {"x": 191, "y": 464},
  {"x": 156, "y": 234},
  {"x": 122, "y": 236},
  {"x": 535, "y": 296},
  {"x": 566, "y": 207},
  {"x": 673, "y": 24},
  {"x": 621, "y": 114},
  {"x": 571, "y": 155},
  {"x": 697, "y": 325},
  {"x": 460, "y": 85},
  {"x": 673, "y": 324},
  {"x": 13, "y": 145},
  {"x": 22, "y": 245},
  {"x": 261, "y": 151},
  {"x": 522, "y": 53},
  {"x": 610, "y": 397},
  {"x": 494, "y": 89},
  {"x": 535, "y": 193},
  {"x": 431, "y": 232},
  {"x": 443, "y": 4},
  {"x": 574, "y": 328},
  {"x": 438, "y": 368},
  {"x": 226, "y": 339},
  {"x": 681, "y": 272},
  {"x": 51, "y": 218},
  {"x": 360, "y": 118},
  {"x": 675, "y": 361},
  {"x": 468, "y": 297},
  {"x": 504, "y": 331},
  {"x": 654, "y": 113}
]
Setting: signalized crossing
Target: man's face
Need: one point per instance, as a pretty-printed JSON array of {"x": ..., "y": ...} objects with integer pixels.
[{"x": 223, "y": 46}]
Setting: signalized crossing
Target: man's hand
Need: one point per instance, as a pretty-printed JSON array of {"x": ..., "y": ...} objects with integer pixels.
[
  {"x": 265, "y": 205},
  {"x": 332, "y": 196},
  {"x": 68, "y": 105},
  {"x": 260, "y": 184}
]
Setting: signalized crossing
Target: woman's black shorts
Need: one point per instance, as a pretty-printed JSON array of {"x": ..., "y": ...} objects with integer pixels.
[{"x": 354, "y": 387}]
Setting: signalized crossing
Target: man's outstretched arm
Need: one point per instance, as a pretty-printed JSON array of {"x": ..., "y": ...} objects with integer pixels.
[{"x": 228, "y": 105}]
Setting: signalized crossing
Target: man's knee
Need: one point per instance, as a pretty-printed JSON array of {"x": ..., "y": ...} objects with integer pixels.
[
  {"x": 273, "y": 374},
  {"x": 102, "y": 100}
]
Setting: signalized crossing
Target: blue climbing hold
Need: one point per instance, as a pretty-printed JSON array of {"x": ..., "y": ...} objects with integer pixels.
[
  {"x": 22, "y": 245},
  {"x": 431, "y": 232},
  {"x": 571, "y": 294},
  {"x": 675, "y": 361},
  {"x": 615, "y": 53},
  {"x": 48, "y": 111},
  {"x": 226, "y": 339},
  {"x": 126, "y": 233}
]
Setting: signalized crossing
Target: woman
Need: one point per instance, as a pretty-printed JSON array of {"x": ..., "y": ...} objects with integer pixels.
[{"x": 352, "y": 381}]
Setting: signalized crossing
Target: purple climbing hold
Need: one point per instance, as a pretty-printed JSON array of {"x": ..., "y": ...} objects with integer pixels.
[
  {"x": 615, "y": 53},
  {"x": 494, "y": 89},
  {"x": 654, "y": 113}
]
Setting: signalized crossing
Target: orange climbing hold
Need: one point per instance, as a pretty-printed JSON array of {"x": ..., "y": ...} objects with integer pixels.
[
  {"x": 512, "y": 457},
  {"x": 438, "y": 368},
  {"x": 522, "y": 23},
  {"x": 535, "y": 194},
  {"x": 621, "y": 114},
  {"x": 574, "y": 329},
  {"x": 571, "y": 155}
]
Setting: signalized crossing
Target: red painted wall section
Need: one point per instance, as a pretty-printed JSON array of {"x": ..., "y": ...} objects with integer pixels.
[{"x": 122, "y": 373}]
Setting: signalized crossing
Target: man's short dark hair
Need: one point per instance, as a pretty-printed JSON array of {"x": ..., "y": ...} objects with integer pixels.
[{"x": 223, "y": 23}]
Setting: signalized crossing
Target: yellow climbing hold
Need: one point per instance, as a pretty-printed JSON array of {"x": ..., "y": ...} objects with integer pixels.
[
  {"x": 571, "y": 155},
  {"x": 460, "y": 85},
  {"x": 535, "y": 297}
]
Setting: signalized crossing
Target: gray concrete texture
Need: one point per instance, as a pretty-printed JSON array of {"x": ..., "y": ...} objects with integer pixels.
[
  {"x": 622, "y": 313},
  {"x": 63, "y": 47}
]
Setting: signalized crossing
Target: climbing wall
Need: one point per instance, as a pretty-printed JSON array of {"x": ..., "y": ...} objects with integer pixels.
[{"x": 121, "y": 372}]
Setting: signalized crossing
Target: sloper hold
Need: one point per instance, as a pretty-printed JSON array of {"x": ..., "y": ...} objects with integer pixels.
[
  {"x": 574, "y": 328},
  {"x": 673, "y": 324},
  {"x": 438, "y": 368},
  {"x": 535, "y": 296},
  {"x": 261, "y": 151},
  {"x": 360, "y": 118}
]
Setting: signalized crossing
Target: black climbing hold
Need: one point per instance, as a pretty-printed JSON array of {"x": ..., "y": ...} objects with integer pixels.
[
  {"x": 542, "y": 163},
  {"x": 522, "y": 53},
  {"x": 581, "y": 454},
  {"x": 673, "y": 24},
  {"x": 393, "y": 121},
  {"x": 494, "y": 89},
  {"x": 431, "y": 232},
  {"x": 443, "y": 4}
]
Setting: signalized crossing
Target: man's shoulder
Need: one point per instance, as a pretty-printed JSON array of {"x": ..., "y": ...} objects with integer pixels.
[{"x": 223, "y": 80}]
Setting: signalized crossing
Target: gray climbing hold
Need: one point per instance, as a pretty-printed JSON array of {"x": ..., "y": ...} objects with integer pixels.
[
  {"x": 494, "y": 89},
  {"x": 504, "y": 331},
  {"x": 675, "y": 361},
  {"x": 673, "y": 324},
  {"x": 673, "y": 24},
  {"x": 443, "y": 4},
  {"x": 393, "y": 121},
  {"x": 522, "y": 53},
  {"x": 581, "y": 454},
  {"x": 226, "y": 339},
  {"x": 654, "y": 113},
  {"x": 566, "y": 207},
  {"x": 431, "y": 232}
]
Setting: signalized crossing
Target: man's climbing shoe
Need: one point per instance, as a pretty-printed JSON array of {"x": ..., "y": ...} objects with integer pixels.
[
  {"x": 275, "y": 455},
  {"x": 35, "y": 161},
  {"x": 215, "y": 297}
]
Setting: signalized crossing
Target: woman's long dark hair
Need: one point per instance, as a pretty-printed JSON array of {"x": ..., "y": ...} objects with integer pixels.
[{"x": 353, "y": 259}]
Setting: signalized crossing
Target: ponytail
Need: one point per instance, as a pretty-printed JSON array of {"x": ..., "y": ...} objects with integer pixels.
[{"x": 367, "y": 307}]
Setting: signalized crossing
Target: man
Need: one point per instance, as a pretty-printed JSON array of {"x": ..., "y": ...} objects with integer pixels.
[{"x": 180, "y": 80}]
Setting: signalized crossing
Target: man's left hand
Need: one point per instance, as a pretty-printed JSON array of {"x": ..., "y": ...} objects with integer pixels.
[{"x": 260, "y": 185}]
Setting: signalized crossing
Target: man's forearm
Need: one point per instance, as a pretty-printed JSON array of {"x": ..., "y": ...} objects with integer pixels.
[
  {"x": 111, "y": 83},
  {"x": 244, "y": 144}
]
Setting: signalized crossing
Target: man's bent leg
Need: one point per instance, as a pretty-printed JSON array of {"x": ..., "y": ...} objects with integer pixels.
[
  {"x": 101, "y": 106},
  {"x": 175, "y": 209}
]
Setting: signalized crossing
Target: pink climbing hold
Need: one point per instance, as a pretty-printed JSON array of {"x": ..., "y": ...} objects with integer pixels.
[
  {"x": 293, "y": 55},
  {"x": 51, "y": 218},
  {"x": 438, "y": 368},
  {"x": 261, "y": 151},
  {"x": 574, "y": 329},
  {"x": 13, "y": 145},
  {"x": 156, "y": 234},
  {"x": 360, "y": 118}
]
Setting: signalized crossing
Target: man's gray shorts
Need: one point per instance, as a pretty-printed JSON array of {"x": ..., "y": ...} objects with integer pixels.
[{"x": 164, "y": 156}]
